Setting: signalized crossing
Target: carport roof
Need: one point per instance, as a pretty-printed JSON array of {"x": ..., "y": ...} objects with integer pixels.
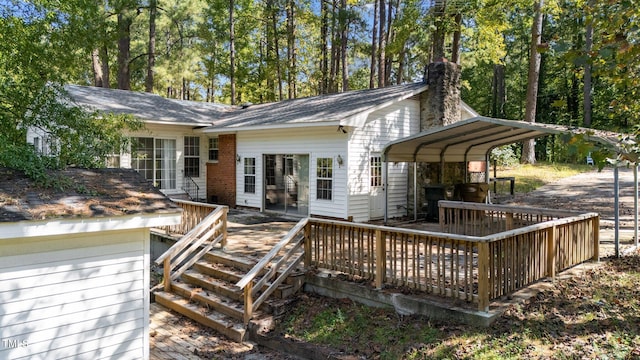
[{"x": 473, "y": 138}]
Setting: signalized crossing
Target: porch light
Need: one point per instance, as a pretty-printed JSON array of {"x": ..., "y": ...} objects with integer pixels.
[
  {"x": 339, "y": 161},
  {"x": 238, "y": 158}
]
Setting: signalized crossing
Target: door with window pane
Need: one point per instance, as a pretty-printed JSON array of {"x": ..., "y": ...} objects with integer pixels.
[
  {"x": 286, "y": 183},
  {"x": 376, "y": 187}
]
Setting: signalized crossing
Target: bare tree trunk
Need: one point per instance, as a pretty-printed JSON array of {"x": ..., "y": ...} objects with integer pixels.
[
  {"x": 374, "y": 46},
  {"x": 343, "y": 51},
  {"x": 499, "y": 94},
  {"x": 528, "y": 149},
  {"x": 401, "y": 65},
  {"x": 97, "y": 68},
  {"x": 104, "y": 57},
  {"x": 382, "y": 44},
  {"x": 439, "y": 31},
  {"x": 232, "y": 53},
  {"x": 124, "y": 46},
  {"x": 587, "y": 89},
  {"x": 333, "y": 71},
  {"x": 324, "y": 51},
  {"x": 455, "y": 46},
  {"x": 291, "y": 49},
  {"x": 151, "y": 60}
]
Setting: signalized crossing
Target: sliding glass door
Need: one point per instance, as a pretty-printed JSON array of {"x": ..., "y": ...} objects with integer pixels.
[
  {"x": 286, "y": 183},
  {"x": 155, "y": 159}
]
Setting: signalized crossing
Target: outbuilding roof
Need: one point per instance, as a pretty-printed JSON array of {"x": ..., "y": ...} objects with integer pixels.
[
  {"x": 82, "y": 193},
  {"x": 146, "y": 106},
  {"x": 474, "y": 138}
]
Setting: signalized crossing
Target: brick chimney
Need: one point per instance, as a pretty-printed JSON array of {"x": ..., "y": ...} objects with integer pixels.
[{"x": 440, "y": 104}]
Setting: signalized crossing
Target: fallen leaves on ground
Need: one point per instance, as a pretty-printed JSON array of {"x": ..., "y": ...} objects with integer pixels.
[{"x": 594, "y": 315}]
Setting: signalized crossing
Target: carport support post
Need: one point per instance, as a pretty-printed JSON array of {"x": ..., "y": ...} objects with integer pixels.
[
  {"x": 635, "y": 204},
  {"x": 616, "y": 209},
  {"x": 415, "y": 191}
]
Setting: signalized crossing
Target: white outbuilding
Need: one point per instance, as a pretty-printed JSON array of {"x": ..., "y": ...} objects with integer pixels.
[{"x": 74, "y": 264}]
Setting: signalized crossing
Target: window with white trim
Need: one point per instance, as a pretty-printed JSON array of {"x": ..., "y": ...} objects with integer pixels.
[
  {"x": 213, "y": 149},
  {"x": 324, "y": 179},
  {"x": 250, "y": 175},
  {"x": 192, "y": 156},
  {"x": 375, "y": 171}
]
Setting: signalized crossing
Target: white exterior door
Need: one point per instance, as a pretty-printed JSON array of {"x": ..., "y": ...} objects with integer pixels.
[{"x": 376, "y": 192}]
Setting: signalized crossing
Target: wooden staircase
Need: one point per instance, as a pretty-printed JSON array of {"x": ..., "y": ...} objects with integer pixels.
[
  {"x": 225, "y": 291},
  {"x": 206, "y": 293}
]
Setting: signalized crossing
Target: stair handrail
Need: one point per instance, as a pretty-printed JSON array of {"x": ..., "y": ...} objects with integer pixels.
[
  {"x": 187, "y": 183},
  {"x": 296, "y": 237},
  {"x": 182, "y": 255}
]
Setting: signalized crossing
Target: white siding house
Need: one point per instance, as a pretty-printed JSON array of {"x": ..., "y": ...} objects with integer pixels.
[
  {"x": 74, "y": 270},
  {"x": 321, "y": 156}
]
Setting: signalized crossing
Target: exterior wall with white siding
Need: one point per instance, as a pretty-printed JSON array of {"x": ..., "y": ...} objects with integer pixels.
[
  {"x": 176, "y": 133},
  {"x": 317, "y": 142},
  {"x": 382, "y": 126},
  {"x": 80, "y": 295}
]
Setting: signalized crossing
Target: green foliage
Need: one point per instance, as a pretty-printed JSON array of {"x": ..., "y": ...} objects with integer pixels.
[
  {"x": 505, "y": 155},
  {"x": 33, "y": 64}
]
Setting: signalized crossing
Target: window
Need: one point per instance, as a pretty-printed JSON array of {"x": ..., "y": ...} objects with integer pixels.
[
  {"x": 270, "y": 169},
  {"x": 142, "y": 157},
  {"x": 324, "y": 174},
  {"x": 155, "y": 159},
  {"x": 213, "y": 149},
  {"x": 192, "y": 156},
  {"x": 375, "y": 171},
  {"x": 250, "y": 175}
]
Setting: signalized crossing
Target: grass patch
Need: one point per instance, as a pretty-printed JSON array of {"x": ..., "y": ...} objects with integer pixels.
[
  {"x": 591, "y": 316},
  {"x": 531, "y": 177}
]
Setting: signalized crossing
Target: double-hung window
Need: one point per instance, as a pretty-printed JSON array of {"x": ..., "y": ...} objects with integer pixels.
[
  {"x": 324, "y": 176},
  {"x": 192, "y": 156},
  {"x": 213, "y": 149},
  {"x": 250, "y": 175}
]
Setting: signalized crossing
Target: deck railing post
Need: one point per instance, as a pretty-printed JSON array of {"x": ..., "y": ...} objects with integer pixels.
[
  {"x": 551, "y": 252},
  {"x": 380, "y": 258},
  {"x": 596, "y": 238},
  {"x": 307, "y": 245},
  {"x": 166, "y": 269},
  {"x": 509, "y": 221},
  {"x": 483, "y": 276},
  {"x": 223, "y": 218},
  {"x": 248, "y": 302}
]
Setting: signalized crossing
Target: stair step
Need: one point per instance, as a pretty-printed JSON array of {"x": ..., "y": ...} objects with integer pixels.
[
  {"x": 218, "y": 286},
  {"x": 209, "y": 299},
  {"x": 233, "y": 329},
  {"x": 238, "y": 262},
  {"x": 219, "y": 271}
]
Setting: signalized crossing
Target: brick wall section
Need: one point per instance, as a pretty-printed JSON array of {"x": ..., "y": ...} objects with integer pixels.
[{"x": 221, "y": 176}]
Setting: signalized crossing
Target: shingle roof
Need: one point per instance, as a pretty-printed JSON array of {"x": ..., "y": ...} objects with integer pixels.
[
  {"x": 87, "y": 193},
  {"x": 146, "y": 106},
  {"x": 316, "y": 109}
]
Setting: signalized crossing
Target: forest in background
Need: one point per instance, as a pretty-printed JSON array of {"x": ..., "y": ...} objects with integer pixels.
[{"x": 245, "y": 51}]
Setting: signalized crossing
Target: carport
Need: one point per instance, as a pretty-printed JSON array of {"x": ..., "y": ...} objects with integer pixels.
[{"x": 474, "y": 139}]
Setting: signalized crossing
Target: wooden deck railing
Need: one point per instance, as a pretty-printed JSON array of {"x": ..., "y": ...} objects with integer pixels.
[
  {"x": 476, "y": 269},
  {"x": 193, "y": 213},
  {"x": 192, "y": 246},
  {"x": 478, "y": 219},
  {"x": 274, "y": 268}
]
